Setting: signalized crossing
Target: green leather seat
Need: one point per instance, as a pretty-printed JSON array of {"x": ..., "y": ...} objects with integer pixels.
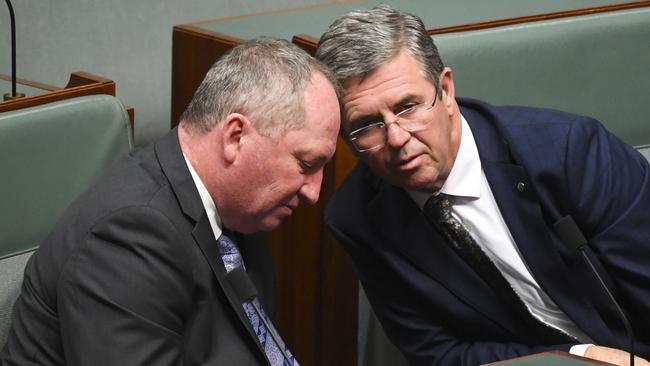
[
  {"x": 48, "y": 155},
  {"x": 594, "y": 65}
]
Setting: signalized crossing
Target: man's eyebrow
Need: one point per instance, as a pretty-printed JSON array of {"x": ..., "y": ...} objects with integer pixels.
[
  {"x": 320, "y": 159},
  {"x": 410, "y": 97},
  {"x": 313, "y": 159},
  {"x": 357, "y": 121}
]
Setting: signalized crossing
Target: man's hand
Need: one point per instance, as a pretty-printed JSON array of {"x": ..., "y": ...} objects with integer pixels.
[{"x": 613, "y": 356}]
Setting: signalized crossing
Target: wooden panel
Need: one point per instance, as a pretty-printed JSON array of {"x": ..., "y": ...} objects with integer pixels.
[
  {"x": 80, "y": 83},
  {"x": 315, "y": 285},
  {"x": 339, "y": 305},
  {"x": 193, "y": 52}
]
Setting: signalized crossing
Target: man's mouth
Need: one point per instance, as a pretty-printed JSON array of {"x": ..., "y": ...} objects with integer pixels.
[{"x": 407, "y": 163}]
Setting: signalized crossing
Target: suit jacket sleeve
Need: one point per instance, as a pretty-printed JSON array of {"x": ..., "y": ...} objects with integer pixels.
[
  {"x": 124, "y": 295},
  {"x": 609, "y": 193}
]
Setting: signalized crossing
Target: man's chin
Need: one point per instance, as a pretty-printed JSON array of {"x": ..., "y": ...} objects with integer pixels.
[
  {"x": 271, "y": 223},
  {"x": 420, "y": 186},
  {"x": 414, "y": 183},
  {"x": 268, "y": 222}
]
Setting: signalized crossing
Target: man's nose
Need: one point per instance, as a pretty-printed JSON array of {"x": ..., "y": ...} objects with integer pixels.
[
  {"x": 396, "y": 136},
  {"x": 310, "y": 190}
]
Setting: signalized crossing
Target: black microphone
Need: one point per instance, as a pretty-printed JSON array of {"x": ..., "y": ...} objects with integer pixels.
[
  {"x": 246, "y": 292},
  {"x": 242, "y": 284},
  {"x": 13, "y": 94},
  {"x": 572, "y": 237}
]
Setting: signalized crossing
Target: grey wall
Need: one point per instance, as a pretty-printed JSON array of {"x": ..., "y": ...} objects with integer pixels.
[{"x": 128, "y": 41}]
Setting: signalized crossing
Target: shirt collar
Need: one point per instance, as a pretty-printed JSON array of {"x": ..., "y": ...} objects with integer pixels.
[
  {"x": 206, "y": 199},
  {"x": 464, "y": 179}
]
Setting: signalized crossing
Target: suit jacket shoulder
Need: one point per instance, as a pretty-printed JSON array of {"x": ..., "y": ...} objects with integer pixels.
[{"x": 128, "y": 276}]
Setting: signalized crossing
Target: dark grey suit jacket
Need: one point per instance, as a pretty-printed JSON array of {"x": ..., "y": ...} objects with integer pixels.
[{"x": 131, "y": 275}]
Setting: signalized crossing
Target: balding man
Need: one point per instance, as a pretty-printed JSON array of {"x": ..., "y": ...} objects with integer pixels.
[{"x": 136, "y": 271}]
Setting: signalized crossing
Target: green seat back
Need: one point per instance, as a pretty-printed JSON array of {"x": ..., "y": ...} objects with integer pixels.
[
  {"x": 595, "y": 65},
  {"x": 48, "y": 155}
]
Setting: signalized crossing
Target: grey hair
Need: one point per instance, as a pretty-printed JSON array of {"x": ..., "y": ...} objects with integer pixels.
[
  {"x": 264, "y": 79},
  {"x": 361, "y": 40}
]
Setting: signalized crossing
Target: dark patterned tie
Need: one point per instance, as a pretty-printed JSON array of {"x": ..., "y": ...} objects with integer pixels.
[
  {"x": 231, "y": 260},
  {"x": 437, "y": 210}
]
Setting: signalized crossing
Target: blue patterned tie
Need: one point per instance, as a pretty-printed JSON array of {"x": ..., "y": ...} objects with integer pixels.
[{"x": 231, "y": 260}]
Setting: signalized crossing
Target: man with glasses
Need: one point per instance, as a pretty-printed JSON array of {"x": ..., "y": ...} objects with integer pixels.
[
  {"x": 449, "y": 216},
  {"x": 372, "y": 136}
]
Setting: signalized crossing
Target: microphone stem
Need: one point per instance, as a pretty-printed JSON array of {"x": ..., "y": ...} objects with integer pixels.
[
  {"x": 626, "y": 323},
  {"x": 13, "y": 47}
]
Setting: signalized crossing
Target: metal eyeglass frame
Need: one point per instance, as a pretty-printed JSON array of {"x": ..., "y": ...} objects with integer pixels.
[{"x": 354, "y": 135}]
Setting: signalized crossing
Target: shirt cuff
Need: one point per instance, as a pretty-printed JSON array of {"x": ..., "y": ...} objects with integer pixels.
[{"x": 579, "y": 349}]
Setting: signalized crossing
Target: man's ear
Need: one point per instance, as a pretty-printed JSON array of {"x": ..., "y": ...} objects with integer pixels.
[
  {"x": 233, "y": 129},
  {"x": 446, "y": 80}
]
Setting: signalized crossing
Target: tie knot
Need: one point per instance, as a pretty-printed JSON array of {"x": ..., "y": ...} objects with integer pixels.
[
  {"x": 438, "y": 208},
  {"x": 226, "y": 245},
  {"x": 229, "y": 253}
]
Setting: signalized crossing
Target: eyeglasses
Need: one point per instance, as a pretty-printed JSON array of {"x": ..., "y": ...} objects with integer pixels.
[{"x": 373, "y": 135}]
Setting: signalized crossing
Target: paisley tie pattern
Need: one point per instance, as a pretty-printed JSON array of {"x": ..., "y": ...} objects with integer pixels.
[{"x": 231, "y": 260}]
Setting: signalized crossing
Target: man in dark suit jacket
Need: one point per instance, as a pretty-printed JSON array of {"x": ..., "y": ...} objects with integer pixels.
[
  {"x": 508, "y": 174},
  {"x": 133, "y": 274}
]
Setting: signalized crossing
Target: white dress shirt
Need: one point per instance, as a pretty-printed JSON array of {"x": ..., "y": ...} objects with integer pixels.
[
  {"x": 206, "y": 200},
  {"x": 474, "y": 206}
]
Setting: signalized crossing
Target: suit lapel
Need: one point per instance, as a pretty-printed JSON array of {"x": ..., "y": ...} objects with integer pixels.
[
  {"x": 175, "y": 168},
  {"x": 171, "y": 160},
  {"x": 402, "y": 224},
  {"x": 539, "y": 246},
  {"x": 525, "y": 220},
  {"x": 205, "y": 238}
]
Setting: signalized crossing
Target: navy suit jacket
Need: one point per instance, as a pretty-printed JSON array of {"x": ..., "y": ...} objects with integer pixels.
[
  {"x": 437, "y": 310},
  {"x": 132, "y": 276}
]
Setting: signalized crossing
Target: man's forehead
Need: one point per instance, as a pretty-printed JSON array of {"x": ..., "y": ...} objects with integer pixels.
[
  {"x": 315, "y": 148},
  {"x": 370, "y": 104}
]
